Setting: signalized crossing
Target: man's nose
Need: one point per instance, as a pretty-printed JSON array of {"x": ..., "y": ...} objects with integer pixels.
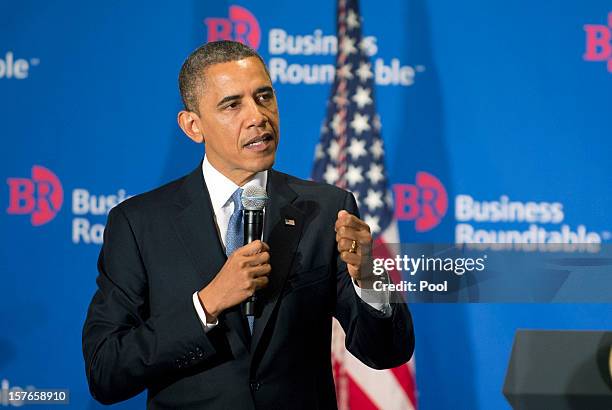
[{"x": 255, "y": 116}]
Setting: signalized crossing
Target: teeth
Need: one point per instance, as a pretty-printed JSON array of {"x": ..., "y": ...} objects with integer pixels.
[{"x": 258, "y": 142}]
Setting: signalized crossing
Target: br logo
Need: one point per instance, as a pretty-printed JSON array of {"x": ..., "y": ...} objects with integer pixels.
[
  {"x": 41, "y": 196},
  {"x": 599, "y": 42},
  {"x": 425, "y": 202},
  {"x": 241, "y": 26}
]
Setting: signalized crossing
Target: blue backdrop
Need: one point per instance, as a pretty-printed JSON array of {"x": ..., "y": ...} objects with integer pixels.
[{"x": 497, "y": 101}]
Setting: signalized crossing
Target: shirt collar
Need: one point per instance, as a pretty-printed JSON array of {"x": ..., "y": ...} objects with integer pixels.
[{"x": 221, "y": 187}]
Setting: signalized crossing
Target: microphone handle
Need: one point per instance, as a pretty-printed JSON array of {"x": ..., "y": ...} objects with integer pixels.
[{"x": 253, "y": 227}]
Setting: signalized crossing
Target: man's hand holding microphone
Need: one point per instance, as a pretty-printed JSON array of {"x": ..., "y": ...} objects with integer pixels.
[{"x": 245, "y": 271}]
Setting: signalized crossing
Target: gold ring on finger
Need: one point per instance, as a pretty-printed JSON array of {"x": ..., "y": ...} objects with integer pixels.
[{"x": 353, "y": 247}]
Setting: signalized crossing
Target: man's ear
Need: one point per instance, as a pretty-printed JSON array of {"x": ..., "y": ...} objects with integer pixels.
[{"x": 190, "y": 124}]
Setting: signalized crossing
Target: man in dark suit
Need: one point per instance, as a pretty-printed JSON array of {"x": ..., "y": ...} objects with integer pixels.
[{"x": 167, "y": 315}]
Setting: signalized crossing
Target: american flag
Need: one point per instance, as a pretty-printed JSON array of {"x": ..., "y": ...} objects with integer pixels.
[{"x": 351, "y": 156}]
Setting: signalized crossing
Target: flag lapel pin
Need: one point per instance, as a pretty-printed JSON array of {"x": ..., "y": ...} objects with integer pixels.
[{"x": 289, "y": 222}]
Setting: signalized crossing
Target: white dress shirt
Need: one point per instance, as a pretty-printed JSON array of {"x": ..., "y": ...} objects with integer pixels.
[{"x": 221, "y": 189}]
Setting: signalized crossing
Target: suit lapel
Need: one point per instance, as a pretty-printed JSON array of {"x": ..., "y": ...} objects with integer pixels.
[
  {"x": 196, "y": 227},
  {"x": 282, "y": 231}
]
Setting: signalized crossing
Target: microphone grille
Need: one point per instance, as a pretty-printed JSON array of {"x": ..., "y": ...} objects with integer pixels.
[{"x": 254, "y": 198}]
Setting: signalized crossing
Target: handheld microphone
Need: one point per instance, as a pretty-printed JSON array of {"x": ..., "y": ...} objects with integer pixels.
[{"x": 253, "y": 200}]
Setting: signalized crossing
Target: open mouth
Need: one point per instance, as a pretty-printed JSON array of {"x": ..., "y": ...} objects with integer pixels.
[{"x": 259, "y": 141}]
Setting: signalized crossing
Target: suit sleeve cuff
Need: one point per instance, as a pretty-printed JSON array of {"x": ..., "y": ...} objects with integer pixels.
[
  {"x": 376, "y": 299},
  {"x": 202, "y": 314}
]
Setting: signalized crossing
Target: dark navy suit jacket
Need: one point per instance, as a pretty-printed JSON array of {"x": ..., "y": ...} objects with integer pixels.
[{"x": 142, "y": 331}]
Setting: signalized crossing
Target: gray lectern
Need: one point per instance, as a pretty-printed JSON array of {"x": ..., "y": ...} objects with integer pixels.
[{"x": 559, "y": 370}]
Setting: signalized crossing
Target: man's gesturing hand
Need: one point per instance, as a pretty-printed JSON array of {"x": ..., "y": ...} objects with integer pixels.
[
  {"x": 355, "y": 247},
  {"x": 245, "y": 271}
]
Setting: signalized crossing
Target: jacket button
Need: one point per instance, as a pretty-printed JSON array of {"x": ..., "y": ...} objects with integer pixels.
[
  {"x": 192, "y": 355},
  {"x": 178, "y": 363},
  {"x": 200, "y": 354},
  {"x": 255, "y": 386}
]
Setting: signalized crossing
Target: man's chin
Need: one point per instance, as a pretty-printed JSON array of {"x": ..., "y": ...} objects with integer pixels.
[
  {"x": 261, "y": 164},
  {"x": 266, "y": 165}
]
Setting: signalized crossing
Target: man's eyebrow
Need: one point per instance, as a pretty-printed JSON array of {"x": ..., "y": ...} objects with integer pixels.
[
  {"x": 228, "y": 98},
  {"x": 264, "y": 89}
]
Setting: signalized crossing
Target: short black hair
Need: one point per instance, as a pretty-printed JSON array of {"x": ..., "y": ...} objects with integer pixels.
[{"x": 192, "y": 77}]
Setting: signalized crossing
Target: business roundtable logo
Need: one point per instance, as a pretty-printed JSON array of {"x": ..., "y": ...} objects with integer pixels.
[
  {"x": 302, "y": 58},
  {"x": 425, "y": 202},
  {"x": 40, "y": 196},
  {"x": 500, "y": 220},
  {"x": 15, "y": 68},
  {"x": 240, "y": 25},
  {"x": 599, "y": 42}
]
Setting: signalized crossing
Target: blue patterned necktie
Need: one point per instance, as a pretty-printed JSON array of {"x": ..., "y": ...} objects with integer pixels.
[{"x": 234, "y": 238}]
